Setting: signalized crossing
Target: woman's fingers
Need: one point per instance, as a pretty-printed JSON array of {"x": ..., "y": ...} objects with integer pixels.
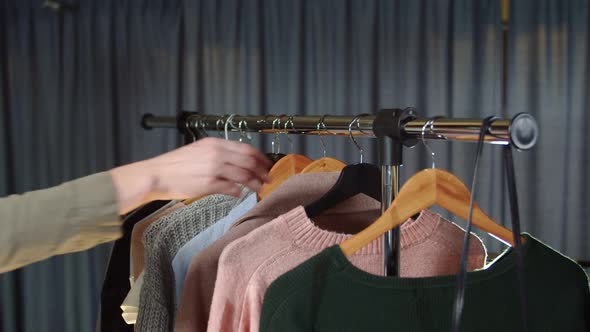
[
  {"x": 244, "y": 150},
  {"x": 248, "y": 163},
  {"x": 240, "y": 175}
]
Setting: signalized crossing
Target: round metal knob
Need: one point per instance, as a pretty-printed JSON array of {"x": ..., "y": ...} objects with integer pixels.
[{"x": 524, "y": 131}]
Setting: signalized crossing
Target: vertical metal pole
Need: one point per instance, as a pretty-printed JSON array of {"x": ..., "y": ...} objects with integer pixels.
[
  {"x": 388, "y": 127},
  {"x": 391, "y": 240}
]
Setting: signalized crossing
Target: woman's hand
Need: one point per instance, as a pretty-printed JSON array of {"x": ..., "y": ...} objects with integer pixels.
[{"x": 208, "y": 166}]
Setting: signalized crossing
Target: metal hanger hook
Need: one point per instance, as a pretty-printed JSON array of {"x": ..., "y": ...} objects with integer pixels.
[
  {"x": 429, "y": 123},
  {"x": 188, "y": 126},
  {"x": 289, "y": 120},
  {"x": 277, "y": 139},
  {"x": 218, "y": 125},
  {"x": 228, "y": 121},
  {"x": 357, "y": 119},
  {"x": 201, "y": 128},
  {"x": 321, "y": 123},
  {"x": 243, "y": 127}
]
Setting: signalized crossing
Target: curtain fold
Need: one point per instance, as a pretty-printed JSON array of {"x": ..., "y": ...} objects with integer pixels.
[
  {"x": 548, "y": 76},
  {"x": 74, "y": 84}
]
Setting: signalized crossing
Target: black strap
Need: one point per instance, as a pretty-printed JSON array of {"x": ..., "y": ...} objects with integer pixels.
[
  {"x": 513, "y": 199},
  {"x": 462, "y": 276},
  {"x": 509, "y": 162}
]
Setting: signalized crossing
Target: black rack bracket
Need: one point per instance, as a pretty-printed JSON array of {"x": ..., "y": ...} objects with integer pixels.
[{"x": 388, "y": 127}]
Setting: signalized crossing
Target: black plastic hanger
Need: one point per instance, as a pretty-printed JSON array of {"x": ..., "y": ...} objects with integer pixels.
[
  {"x": 354, "y": 179},
  {"x": 274, "y": 157}
]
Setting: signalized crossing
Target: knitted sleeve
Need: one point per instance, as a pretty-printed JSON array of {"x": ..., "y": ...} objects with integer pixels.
[
  {"x": 71, "y": 217},
  {"x": 237, "y": 265},
  {"x": 163, "y": 240},
  {"x": 232, "y": 277},
  {"x": 252, "y": 305}
]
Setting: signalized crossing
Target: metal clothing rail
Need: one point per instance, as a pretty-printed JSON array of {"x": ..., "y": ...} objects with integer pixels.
[
  {"x": 521, "y": 131},
  {"x": 393, "y": 128}
]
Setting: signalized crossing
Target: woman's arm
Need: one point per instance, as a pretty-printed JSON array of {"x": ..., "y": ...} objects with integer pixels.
[{"x": 83, "y": 213}]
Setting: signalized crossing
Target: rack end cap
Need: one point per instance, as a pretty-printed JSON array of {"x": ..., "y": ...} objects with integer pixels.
[
  {"x": 524, "y": 131},
  {"x": 144, "y": 119}
]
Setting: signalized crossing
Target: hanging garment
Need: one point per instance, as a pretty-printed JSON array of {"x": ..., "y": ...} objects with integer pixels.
[
  {"x": 116, "y": 281},
  {"x": 429, "y": 246},
  {"x": 182, "y": 260},
  {"x": 130, "y": 305},
  {"x": 162, "y": 240},
  {"x": 328, "y": 293},
  {"x": 300, "y": 189},
  {"x": 137, "y": 251}
]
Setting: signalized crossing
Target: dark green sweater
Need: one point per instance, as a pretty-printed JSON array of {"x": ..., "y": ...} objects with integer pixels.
[{"x": 328, "y": 293}]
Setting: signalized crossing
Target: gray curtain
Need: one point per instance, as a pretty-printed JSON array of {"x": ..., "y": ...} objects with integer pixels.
[
  {"x": 74, "y": 87},
  {"x": 74, "y": 83},
  {"x": 549, "y": 76}
]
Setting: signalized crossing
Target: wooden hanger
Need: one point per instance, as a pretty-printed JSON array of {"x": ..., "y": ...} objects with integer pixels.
[
  {"x": 421, "y": 191},
  {"x": 325, "y": 164},
  {"x": 286, "y": 167}
]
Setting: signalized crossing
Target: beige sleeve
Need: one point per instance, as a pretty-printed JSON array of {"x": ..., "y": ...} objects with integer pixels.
[{"x": 71, "y": 217}]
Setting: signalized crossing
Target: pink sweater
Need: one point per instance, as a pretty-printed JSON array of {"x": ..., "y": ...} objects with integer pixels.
[
  {"x": 355, "y": 214},
  {"x": 430, "y": 246}
]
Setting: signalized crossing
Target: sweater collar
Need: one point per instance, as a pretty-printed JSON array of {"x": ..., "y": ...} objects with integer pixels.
[{"x": 304, "y": 233}]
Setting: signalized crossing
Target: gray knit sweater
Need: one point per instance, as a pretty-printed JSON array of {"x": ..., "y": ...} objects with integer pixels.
[{"x": 162, "y": 241}]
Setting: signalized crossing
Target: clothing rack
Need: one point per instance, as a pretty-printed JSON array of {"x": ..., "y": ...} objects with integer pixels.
[{"x": 393, "y": 128}]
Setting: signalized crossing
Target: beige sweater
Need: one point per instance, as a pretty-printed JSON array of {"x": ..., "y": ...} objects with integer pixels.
[{"x": 71, "y": 217}]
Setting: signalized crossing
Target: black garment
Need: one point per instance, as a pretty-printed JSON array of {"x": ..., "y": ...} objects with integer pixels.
[{"x": 116, "y": 282}]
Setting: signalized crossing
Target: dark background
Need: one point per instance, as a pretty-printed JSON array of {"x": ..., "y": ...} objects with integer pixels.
[{"x": 75, "y": 82}]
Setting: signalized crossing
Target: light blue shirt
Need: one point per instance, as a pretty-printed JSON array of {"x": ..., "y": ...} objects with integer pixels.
[{"x": 182, "y": 260}]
